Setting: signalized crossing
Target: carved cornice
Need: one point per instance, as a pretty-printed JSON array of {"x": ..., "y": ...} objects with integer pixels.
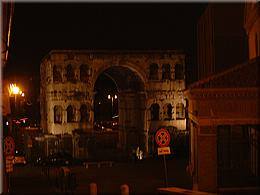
[
  {"x": 196, "y": 94},
  {"x": 227, "y": 121}
]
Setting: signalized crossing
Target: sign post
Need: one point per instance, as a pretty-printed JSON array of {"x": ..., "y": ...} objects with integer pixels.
[{"x": 163, "y": 138}]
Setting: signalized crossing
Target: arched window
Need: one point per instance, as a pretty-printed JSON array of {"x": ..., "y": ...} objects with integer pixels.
[
  {"x": 70, "y": 73},
  {"x": 85, "y": 72},
  {"x": 167, "y": 112},
  {"x": 57, "y": 114},
  {"x": 155, "y": 111},
  {"x": 84, "y": 113},
  {"x": 70, "y": 114},
  {"x": 56, "y": 74},
  {"x": 166, "y": 72},
  {"x": 153, "y": 72},
  {"x": 179, "y": 111},
  {"x": 179, "y": 72}
]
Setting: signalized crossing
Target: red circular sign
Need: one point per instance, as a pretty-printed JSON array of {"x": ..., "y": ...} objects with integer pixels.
[
  {"x": 162, "y": 137},
  {"x": 9, "y": 146}
]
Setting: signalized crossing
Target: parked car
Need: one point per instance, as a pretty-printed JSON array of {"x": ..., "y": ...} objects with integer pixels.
[{"x": 19, "y": 160}]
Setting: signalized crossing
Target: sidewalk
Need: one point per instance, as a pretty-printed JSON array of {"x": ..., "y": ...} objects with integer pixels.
[{"x": 30, "y": 180}]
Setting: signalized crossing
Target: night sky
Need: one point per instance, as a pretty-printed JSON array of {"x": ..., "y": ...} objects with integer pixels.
[{"x": 40, "y": 27}]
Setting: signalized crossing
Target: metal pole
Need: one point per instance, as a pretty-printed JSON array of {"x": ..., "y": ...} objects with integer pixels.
[
  {"x": 165, "y": 171},
  {"x": 112, "y": 105}
]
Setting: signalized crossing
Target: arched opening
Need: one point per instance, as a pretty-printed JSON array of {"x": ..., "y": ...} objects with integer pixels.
[
  {"x": 70, "y": 114},
  {"x": 167, "y": 112},
  {"x": 166, "y": 72},
  {"x": 119, "y": 106},
  {"x": 105, "y": 102},
  {"x": 70, "y": 73},
  {"x": 85, "y": 73},
  {"x": 56, "y": 74},
  {"x": 155, "y": 112},
  {"x": 57, "y": 114}
]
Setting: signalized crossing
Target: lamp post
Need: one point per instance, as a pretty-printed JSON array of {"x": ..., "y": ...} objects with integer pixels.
[
  {"x": 112, "y": 100},
  {"x": 14, "y": 90}
]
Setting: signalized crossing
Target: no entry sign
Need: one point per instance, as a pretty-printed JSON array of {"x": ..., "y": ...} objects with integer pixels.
[{"x": 162, "y": 137}]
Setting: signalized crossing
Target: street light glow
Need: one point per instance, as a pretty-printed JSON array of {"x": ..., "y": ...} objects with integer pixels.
[
  {"x": 15, "y": 90},
  {"x": 113, "y": 97}
]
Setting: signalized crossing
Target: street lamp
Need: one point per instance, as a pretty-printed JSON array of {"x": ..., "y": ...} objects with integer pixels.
[
  {"x": 14, "y": 90},
  {"x": 112, "y": 100}
]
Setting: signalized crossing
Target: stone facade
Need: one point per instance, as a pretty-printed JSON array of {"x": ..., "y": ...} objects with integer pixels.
[{"x": 150, "y": 85}]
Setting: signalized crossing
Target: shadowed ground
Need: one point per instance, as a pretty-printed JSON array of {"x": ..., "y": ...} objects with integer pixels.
[{"x": 143, "y": 177}]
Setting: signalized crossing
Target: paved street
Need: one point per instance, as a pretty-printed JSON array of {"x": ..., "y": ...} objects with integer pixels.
[{"x": 142, "y": 177}]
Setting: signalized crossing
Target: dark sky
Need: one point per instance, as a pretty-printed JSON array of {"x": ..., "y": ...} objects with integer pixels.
[{"x": 39, "y": 28}]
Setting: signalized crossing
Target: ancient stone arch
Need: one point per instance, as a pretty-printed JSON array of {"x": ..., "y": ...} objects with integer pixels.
[{"x": 137, "y": 90}]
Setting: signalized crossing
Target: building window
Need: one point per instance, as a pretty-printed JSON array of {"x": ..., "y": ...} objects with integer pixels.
[
  {"x": 56, "y": 74},
  {"x": 179, "y": 72},
  {"x": 167, "y": 112},
  {"x": 155, "y": 111},
  {"x": 70, "y": 73},
  {"x": 70, "y": 114},
  {"x": 57, "y": 114},
  {"x": 84, "y": 113},
  {"x": 153, "y": 72},
  {"x": 166, "y": 72},
  {"x": 180, "y": 111},
  {"x": 85, "y": 72}
]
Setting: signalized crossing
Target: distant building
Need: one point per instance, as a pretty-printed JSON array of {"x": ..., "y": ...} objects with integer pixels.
[
  {"x": 7, "y": 21},
  {"x": 252, "y": 27},
  {"x": 150, "y": 85},
  {"x": 221, "y": 38},
  {"x": 224, "y": 115}
]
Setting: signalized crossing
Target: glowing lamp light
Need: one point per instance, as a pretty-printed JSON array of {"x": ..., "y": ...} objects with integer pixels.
[
  {"x": 15, "y": 90},
  {"x": 109, "y": 97}
]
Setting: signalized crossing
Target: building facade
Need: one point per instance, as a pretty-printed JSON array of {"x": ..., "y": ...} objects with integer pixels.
[
  {"x": 224, "y": 118},
  {"x": 150, "y": 91}
]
